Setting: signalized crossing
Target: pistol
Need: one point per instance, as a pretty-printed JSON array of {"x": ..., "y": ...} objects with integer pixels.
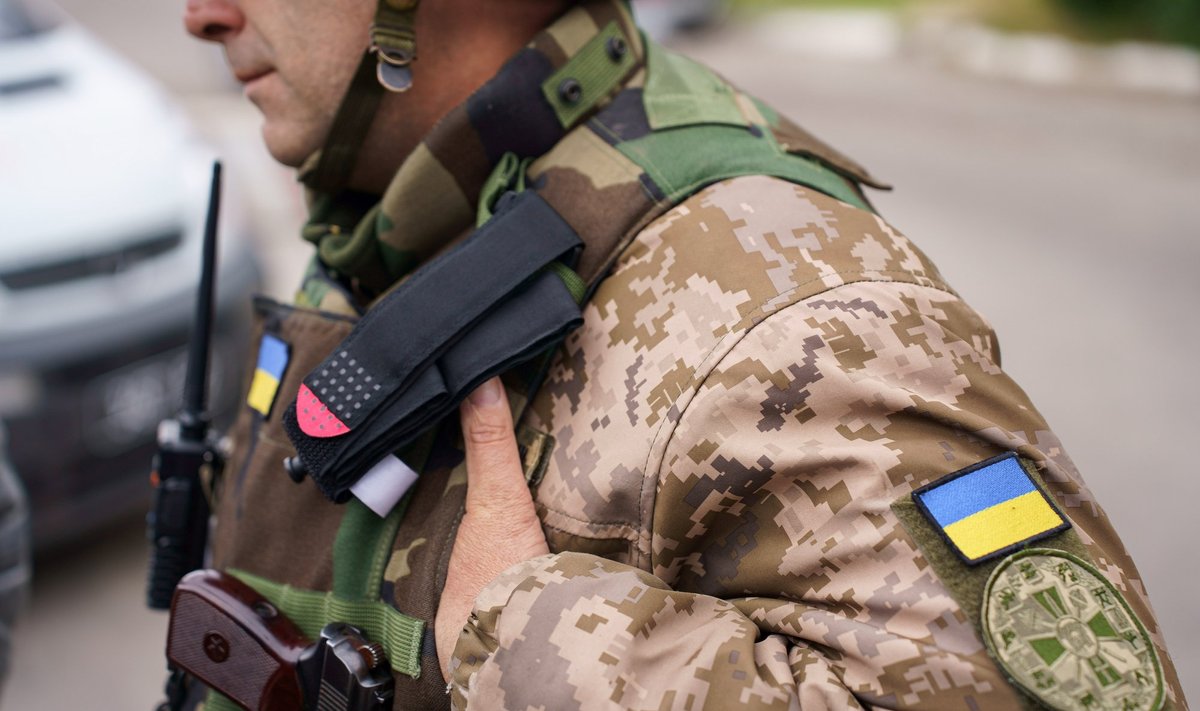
[{"x": 234, "y": 640}]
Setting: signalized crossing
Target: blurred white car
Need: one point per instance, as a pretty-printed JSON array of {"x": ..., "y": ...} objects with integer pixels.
[
  {"x": 103, "y": 188},
  {"x": 14, "y": 556}
]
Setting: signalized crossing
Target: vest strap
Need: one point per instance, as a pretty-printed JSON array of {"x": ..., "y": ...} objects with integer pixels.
[
  {"x": 591, "y": 76},
  {"x": 399, "y": 634}
]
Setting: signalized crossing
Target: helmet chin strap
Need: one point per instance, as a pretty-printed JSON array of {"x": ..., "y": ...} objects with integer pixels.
[{"x": 386, "y": 65}]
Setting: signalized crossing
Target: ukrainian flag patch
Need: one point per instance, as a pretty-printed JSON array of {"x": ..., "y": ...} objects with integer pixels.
[
  {"x": 273, "y": 356},
  {"x": 989, "y": 509}
]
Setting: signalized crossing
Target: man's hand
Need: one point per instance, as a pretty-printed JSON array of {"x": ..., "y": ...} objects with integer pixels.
[{"x": 500, "y": 527}]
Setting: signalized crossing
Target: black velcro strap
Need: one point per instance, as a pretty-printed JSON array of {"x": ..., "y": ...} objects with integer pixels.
[
  {"x": 484, "y": 307},
  {"x": 410, "y": 328}
]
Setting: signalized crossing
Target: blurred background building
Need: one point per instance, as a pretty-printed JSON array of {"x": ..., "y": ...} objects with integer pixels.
[{"x": 1046, "y": 155}]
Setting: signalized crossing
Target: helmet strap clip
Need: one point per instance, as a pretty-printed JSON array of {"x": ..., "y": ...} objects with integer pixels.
[{"x": 394, "y": 43}]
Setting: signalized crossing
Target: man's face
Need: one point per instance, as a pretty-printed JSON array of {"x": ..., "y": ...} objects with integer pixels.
[{"x": 295, "y": 59}]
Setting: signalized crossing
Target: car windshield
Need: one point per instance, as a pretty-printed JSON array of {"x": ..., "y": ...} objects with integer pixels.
[{"x": 15, "y": 20}]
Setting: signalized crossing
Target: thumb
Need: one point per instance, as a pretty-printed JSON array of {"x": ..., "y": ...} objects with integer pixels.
[{"x": 495, "y": 477}]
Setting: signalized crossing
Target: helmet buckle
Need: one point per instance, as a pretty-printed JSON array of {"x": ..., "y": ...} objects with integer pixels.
[
  {"x": 393, "y": 69},
  {"x": 394, "y": 43}
]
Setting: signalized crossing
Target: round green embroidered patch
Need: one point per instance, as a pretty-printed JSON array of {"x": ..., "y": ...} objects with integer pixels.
[{"x": 1065, "y": 635}]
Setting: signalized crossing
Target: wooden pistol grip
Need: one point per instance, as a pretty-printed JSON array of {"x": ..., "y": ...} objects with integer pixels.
[{"x": 234, "y": 640}]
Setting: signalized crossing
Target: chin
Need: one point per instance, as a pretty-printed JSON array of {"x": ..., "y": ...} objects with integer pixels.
[{"x": 287, "y": 144}]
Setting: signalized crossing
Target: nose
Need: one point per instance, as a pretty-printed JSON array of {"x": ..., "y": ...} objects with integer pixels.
[{"x": 212, "y": 20}]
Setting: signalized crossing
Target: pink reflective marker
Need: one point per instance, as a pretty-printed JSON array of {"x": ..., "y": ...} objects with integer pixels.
[{"x": 315, "y": 418}]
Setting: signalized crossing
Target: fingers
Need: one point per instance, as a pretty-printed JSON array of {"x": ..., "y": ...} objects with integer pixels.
[
  {"x": 495, "y": 477},
  {"x": 500, "y": 527}
]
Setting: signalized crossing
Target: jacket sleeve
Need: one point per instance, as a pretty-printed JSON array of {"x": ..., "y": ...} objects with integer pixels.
[{"x": 781, "y": 575}]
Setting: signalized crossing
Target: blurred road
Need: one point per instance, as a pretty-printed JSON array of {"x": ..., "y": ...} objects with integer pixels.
[{"x": 1069, "y": 219}]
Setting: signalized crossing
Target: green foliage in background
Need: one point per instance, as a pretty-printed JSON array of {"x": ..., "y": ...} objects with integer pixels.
[
  {"x": 1167, "y": 20},
  {"x": 1088, "y": 20},
  {"x": 752, "y": 5}
]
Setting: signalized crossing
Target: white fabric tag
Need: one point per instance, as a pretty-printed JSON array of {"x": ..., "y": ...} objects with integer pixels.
[{"x": 384, "y": 484}]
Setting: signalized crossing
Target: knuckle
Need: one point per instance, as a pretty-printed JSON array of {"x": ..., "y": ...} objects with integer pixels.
[
  {"x": 489, "y": 433},
  {"x": 500, "y": 507}
]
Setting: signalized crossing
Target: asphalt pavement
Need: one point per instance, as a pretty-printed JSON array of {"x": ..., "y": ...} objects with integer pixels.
[{"x": 1068, "y": 217}]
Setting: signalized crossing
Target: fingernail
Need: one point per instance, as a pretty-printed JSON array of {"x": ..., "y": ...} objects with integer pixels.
[{"x": 487, "y": 394}]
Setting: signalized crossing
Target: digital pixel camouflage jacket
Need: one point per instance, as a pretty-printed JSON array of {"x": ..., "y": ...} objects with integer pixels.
[{"x": 725, "y": 455}]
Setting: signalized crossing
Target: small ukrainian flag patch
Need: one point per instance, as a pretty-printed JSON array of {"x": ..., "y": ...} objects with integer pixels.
[
  {"x": 989, "y": 509},
  {"x": 272, "y": 361}
]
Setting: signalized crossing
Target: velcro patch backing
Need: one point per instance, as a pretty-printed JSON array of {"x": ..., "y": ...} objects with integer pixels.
[{"x": 989, "y": 509}]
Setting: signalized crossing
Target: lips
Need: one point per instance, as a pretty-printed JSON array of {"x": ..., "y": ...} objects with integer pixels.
[{"x": 245, "y": 76}]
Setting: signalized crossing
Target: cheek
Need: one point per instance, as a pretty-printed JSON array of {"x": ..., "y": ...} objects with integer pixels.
[
  {"x": 295, "y": 122},
  {"x": 317, "y": 80},
  {"x": 313, "y": 71},
  {"x": 314, "y": 90}
]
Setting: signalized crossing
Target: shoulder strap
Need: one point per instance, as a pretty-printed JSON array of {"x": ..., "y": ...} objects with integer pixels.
[{"x": 688, "y": 128}]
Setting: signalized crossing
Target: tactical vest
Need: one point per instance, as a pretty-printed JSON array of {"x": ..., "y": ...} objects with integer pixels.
[{"x": 610, "y": 134}]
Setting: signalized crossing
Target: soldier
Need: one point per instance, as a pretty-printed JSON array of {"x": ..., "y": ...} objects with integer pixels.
[{"x": 777, "y": 465}]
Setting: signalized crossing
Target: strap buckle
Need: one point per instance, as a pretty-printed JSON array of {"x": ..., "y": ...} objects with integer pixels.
[
  {"x": 394, "y": 43},
  {"x": 393, "y": 68}
]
